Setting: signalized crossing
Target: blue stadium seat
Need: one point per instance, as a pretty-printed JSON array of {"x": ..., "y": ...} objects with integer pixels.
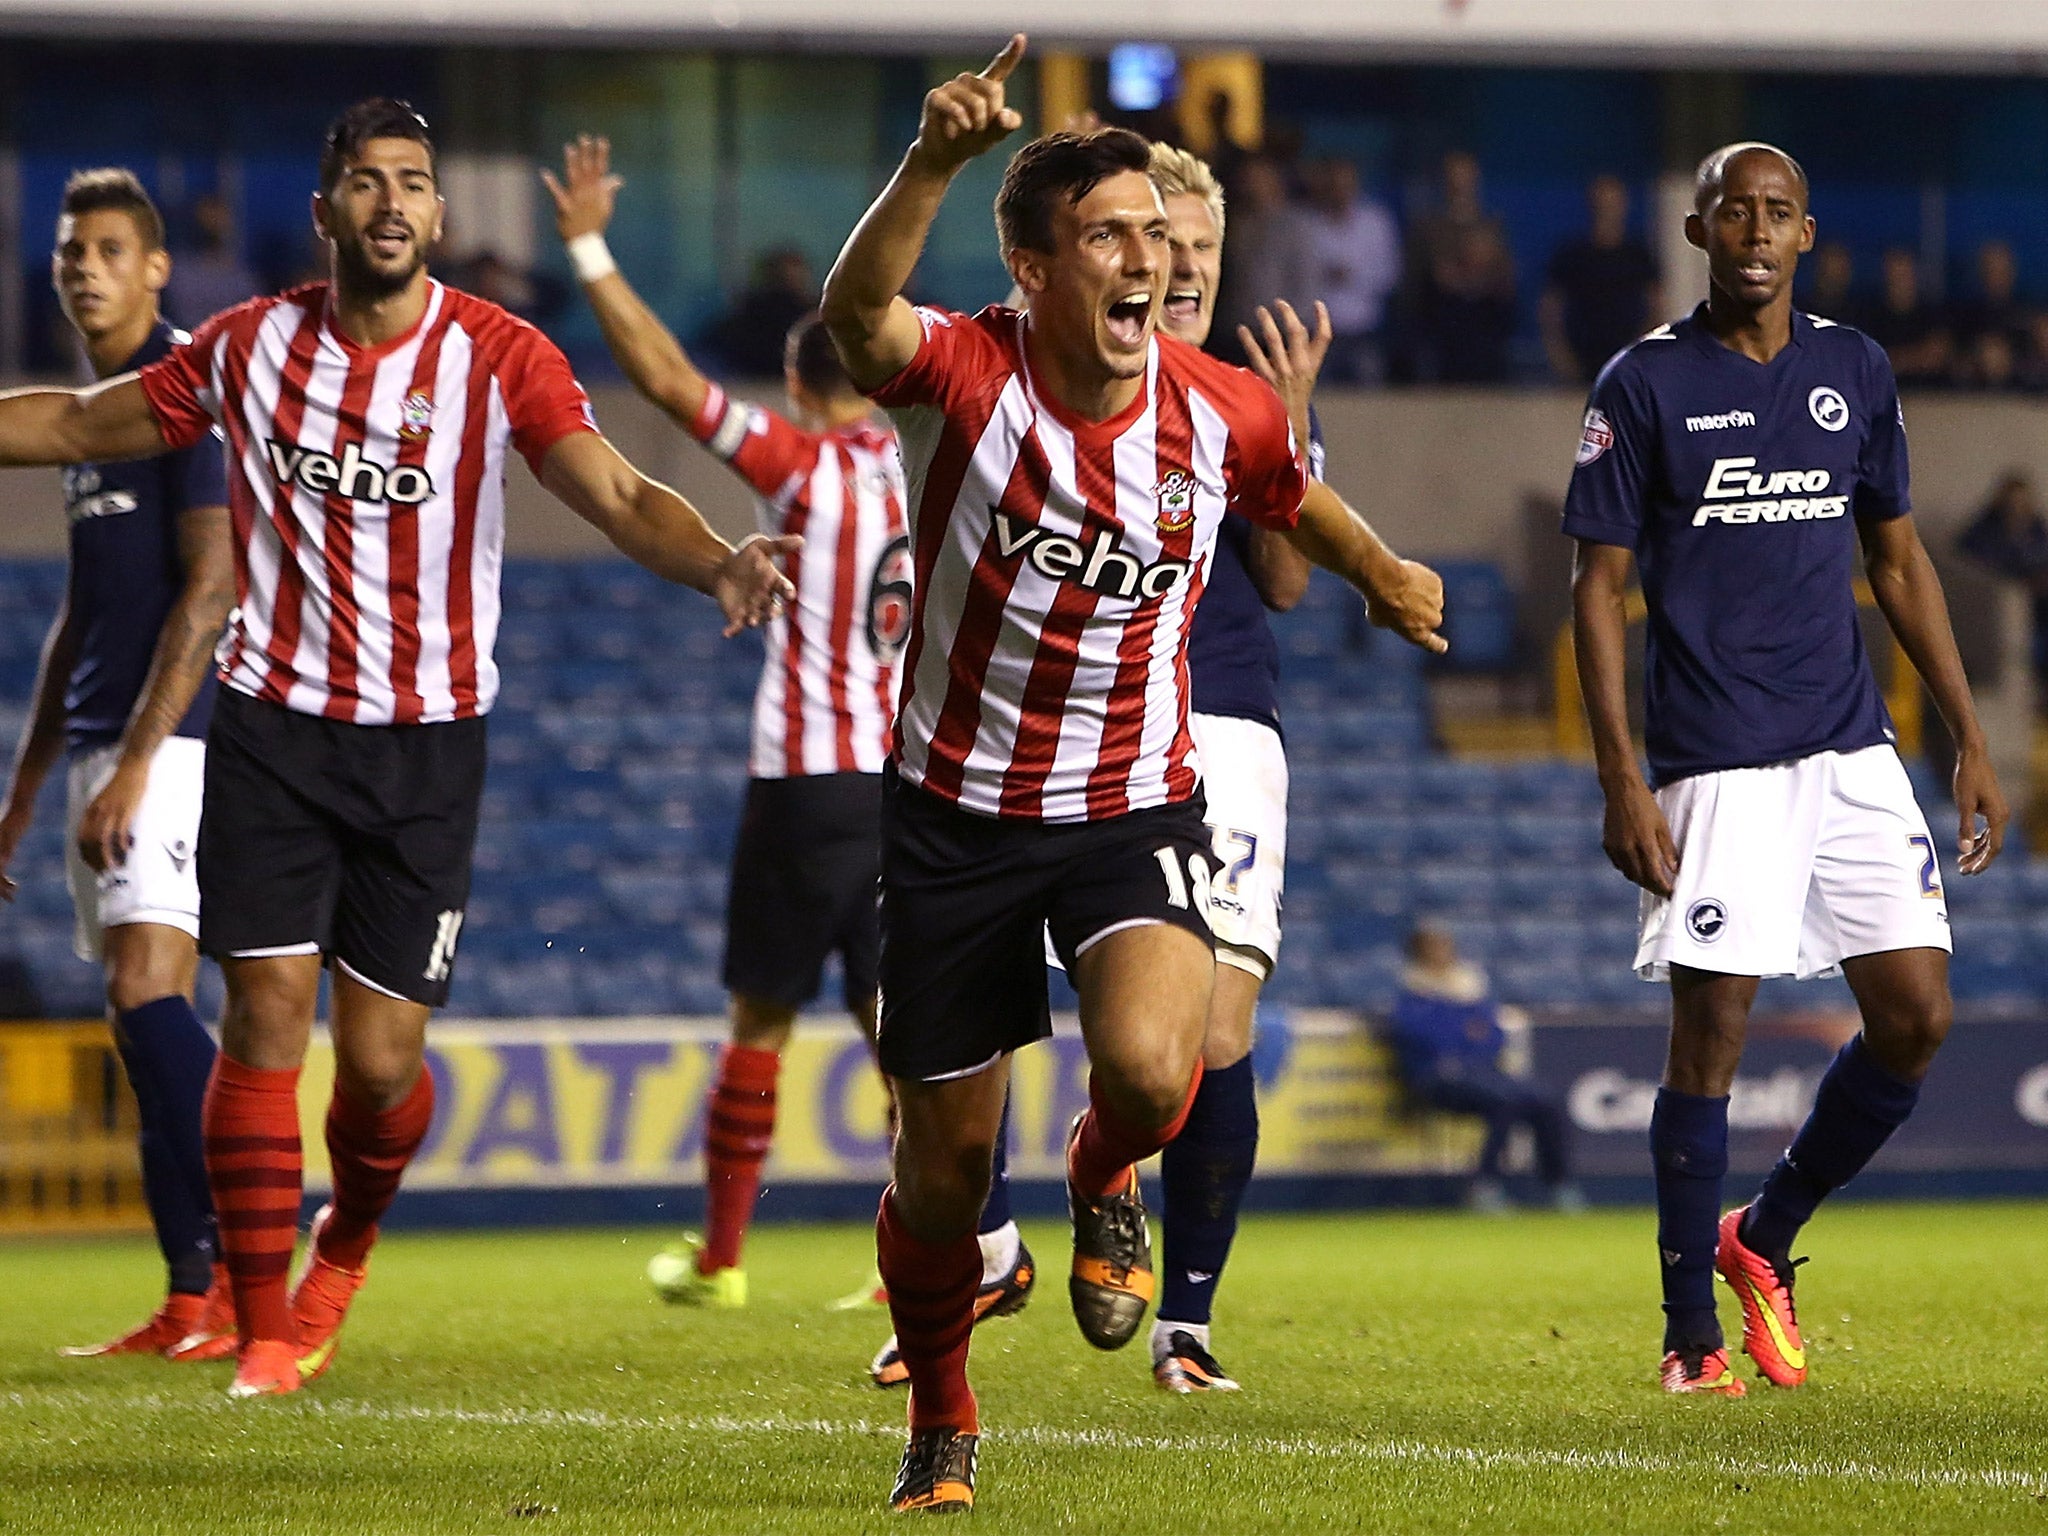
[
  {"x": 1463, "y": 888},
  {"x": 1479, "y": 617}
]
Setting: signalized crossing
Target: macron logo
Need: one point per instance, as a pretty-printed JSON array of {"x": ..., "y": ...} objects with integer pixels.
[{"x": 1720, "y": 423}]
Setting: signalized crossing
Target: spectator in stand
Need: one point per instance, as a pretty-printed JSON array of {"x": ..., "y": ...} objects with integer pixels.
[
  {"x": 1908, "y": 327},
  {"x": 1447, "y": 1038},
  {"x": 1461, "y": 281},
  {"x": 2009, "y": 538},
  {"x": 1603, "y": 291},
  {"x": 1269, "y": 254},
  {"x": 749, "y": 337},
  {"x": 1991, "y": 330},
  {"x": 210, "y": 275},
  {"x": 1354, "y": 266},
  {"x": 534, "y": 296},
  {"x": 1833, "y": 294}
]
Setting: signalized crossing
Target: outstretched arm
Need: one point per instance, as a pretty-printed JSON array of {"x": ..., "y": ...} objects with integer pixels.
[
  {"x": 1636, "y": 836},
  {"x": 177, "y": 668},
  {"x": 69, "y": 426},
  {"x": 645, "y": 349},
  {"x": 1402, "y": 595},
  {"x": 651, "y": 524},
  {"x": 1903, "y": 580},
  {"x": 872, "y": 324}
]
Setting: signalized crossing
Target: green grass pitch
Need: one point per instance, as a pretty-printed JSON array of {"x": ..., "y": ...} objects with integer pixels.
[{"x": 1402, "y": 1372}]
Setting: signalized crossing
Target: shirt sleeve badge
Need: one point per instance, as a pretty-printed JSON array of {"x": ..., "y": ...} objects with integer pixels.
[{"x": 1597, "y": 438}]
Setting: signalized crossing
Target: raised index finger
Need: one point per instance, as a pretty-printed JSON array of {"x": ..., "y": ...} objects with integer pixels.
[{"x": 1000, "y": 66}]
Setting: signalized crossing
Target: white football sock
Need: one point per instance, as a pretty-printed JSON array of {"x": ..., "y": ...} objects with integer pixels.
[
  {"x": 998, "y": 1252},
  {"x": 1163, "y": 1330}
]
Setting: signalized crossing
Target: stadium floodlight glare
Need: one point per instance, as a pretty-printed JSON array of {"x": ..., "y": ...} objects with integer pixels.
[{"x": 1143, "y": 76}]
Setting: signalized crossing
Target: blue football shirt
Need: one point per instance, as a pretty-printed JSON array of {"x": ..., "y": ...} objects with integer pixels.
[
  {"x": 126, "y": 573},
  {"x": 1739, "y": 486},
  {"x": 1233, "y": 659}
]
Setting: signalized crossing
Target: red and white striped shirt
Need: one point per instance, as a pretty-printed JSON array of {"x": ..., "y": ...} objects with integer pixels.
[
  {"x": 1056, "y": 566},
  {"x": 367, "y": 487},
  {"x": 827, "y": 695}
]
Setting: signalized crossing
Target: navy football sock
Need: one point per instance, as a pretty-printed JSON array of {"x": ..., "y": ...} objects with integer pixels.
[
  {"x": 1204, "y": 1171},
  {"x": 168, "y": 1055},
  {"x": 1689, "y": 1148},
  {"x": 995, "y": 1211},
  {"x": 1858, "y": 1107}
]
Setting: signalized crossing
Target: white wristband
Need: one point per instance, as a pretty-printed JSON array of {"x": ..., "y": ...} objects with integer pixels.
[{"x": 591, "y": 257}]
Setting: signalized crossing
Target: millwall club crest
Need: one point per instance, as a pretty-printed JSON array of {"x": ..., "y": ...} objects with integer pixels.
[
  {"x": 1176, "y": 502},
  {"x": 415, "y": 416}
]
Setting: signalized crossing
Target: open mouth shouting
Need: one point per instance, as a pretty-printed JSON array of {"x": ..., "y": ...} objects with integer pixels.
[
  {"x": 1126, "y": 319},
  {"x": 1183, "y": 309}
]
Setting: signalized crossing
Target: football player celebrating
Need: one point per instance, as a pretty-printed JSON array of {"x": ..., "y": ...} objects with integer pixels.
[
  {"x": 808, "y": 856},
  {"x": 368, "y": 420},
  {"x": 125, "y": 688},
  {"x": 1744, "y": 457},
  {"x": 1068, "y": 472}
]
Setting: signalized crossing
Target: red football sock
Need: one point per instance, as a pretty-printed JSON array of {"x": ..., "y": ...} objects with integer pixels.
[
  {"x": 1103, "y": 1153},
  {"x": 931, "y": 1301},
  {"x": 738, "y": 1131},
  {"x": 369, "y": 1150},
  {"x": 250, "y": 1125}
]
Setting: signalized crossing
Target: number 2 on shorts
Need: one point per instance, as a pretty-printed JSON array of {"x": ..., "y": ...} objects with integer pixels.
[{"x": 1930, "y": 881}]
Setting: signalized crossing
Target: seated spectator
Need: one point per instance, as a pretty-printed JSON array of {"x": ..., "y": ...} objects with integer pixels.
[
  {"x": 748, "y": 338},
  {"x": 1447, "y": 1035},
  {"x": 1603, "y": 288},
  {"x": 1833, "y": 294},
  {"x": 1907, "y": 326},
  {"x": 1461, "y": 283},
  {"x": 1991, "y": 330},
  {"x": 210, "y": 275},
  {"x": 1354, "y": 265},
  {"x": 2009, "y": 538}
]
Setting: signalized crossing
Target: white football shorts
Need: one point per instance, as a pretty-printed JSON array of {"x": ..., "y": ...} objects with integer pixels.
[
  {"x": 1791, "y": 869},
  {"x": 1244, "y": 776},
  {"x": 158, "y": 882}
]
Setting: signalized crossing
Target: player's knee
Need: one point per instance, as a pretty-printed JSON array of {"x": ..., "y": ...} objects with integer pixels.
[
  {"x": 378, "y": 1079},
  {"x": 1905, "y": 1034},
  {"x": 1150, "y": 1092},
  {"x": 940, "y": 1190},
  {"x": 132, "y": 983}
]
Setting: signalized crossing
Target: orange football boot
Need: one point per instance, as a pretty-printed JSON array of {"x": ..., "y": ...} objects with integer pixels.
[
  {"x": 937, "y": 1476},
  {"x": 1770, "y": 1327},
  {"x": 1705, "y": 1370},
  {"x": 216, "y": 1336},
  {"x": 320, "y": 1302},
  {"x": 177, "y": 1317},
  {"x": 268, "y": 1368}
]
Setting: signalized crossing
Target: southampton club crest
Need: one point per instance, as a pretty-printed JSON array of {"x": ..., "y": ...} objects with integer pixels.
[
  {"x": 415, "y": 416},
  {"x": 1176, "y": 502}
]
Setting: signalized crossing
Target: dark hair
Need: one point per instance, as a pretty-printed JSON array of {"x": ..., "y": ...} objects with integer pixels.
[
  {"x": 1712, "y": 174},
  {"x": 112, "y": 187},
  {"x": 1065, "y": 167},
  {"x": 381, "y": 117},
  {"x": 809, "y": 354}
]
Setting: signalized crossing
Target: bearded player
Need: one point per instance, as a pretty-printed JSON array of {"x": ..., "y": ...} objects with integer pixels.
[
  {"x": 1747, "y": 458},
  {"x": 368, "y": 421},
  {"x": 1067, "y": 472},
  {"x": 124, "y": 692}
]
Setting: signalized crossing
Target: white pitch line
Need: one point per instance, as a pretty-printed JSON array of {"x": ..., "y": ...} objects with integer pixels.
[{"x": 1364, "y": 1450}]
